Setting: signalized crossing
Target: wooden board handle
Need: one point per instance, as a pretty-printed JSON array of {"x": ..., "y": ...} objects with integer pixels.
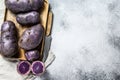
[{"x": 49, "y": 23}]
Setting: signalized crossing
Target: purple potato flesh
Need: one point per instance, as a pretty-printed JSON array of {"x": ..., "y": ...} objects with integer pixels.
[
  {"x": 21, "y": 6},
  {"x": 31, "y": 37},
  {"x": 8, "y": 39},
  {"x": 32, "y": 55},
  {"x": 29, "y": 18},
  {"x": 37, "y": 67},
  {"x": 23, "y": 67}
]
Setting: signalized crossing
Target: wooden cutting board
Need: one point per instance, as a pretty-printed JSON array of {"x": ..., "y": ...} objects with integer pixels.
[{"x": 46, "y": 21}]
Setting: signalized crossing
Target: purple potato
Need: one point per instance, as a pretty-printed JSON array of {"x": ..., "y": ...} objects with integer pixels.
[
  {"x": 23, "y": 67},
  {"x": 20, "y": 6},
  {"x": 31, "y": 37},
  {"x": 9, "y": 48},
  {"x": 37, "y": 67},
  {"x": 9, "y": 36},
  {"x": 8, "y": 26},
  {"x": 32, "y": 55},
  {"x": 29, "y": 18},
  {"x": 8, "y": 39}
]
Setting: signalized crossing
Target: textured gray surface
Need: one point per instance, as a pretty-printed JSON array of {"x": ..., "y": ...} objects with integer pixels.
[{"x": 86, "y": 41}]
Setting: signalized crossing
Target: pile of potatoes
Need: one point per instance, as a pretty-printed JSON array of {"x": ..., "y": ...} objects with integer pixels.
[{"x": 27, "y": 14}]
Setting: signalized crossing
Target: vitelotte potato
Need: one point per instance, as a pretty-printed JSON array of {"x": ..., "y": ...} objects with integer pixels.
[
  {"x": 23, "y": 67},
  {"x": 17, "y": 6},
  {"x": 37, "y": 68},
  {"x": 8, "y": 38},
  {"x": 32, "y": 37},
  {"x": 29, "y": 18},
  {"x": 32, "y": 55}
]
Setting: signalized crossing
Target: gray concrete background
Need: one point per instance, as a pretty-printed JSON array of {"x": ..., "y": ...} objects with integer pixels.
[{"x": 86, "y": 42}]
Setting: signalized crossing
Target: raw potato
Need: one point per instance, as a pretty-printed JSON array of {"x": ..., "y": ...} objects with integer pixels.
[
  {"x": 32, "y": 37},
  {"x": 8, "y": 42},
  {"x": 18, "y": 6},
  {"x": 32, "y": 55},
  {"x": 29, "y": 18},
  {"x": 23, "y": 67},
  {"x": 37, "y": 68}
]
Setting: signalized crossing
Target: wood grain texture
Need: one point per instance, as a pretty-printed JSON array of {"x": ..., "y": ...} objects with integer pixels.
[{"x": 49, "y": 24}]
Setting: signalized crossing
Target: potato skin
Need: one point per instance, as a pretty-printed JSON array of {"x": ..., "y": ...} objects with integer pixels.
[
  {"x": 31, "y": 37},
  {"x": 8, "y": 42},
  {"x": 20, "y": 6},
  {"x": 32, "y": 55},
  {"x": 29, "y": 18}
]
